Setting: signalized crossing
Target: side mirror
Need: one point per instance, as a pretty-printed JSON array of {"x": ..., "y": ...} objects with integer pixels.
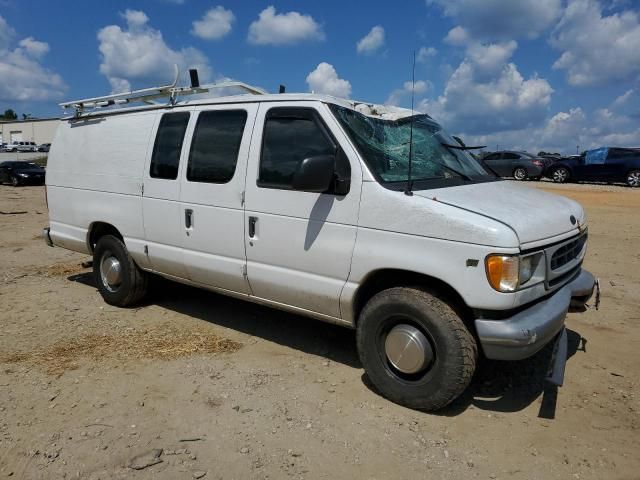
[{"x": 315, "y": 174}]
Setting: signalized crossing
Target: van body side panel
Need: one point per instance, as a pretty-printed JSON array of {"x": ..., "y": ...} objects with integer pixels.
[
  {"x": 424, "y": 236},
  {"x": 94, "y": 175},
  {"x": 303, "y": 244},
  {"x": 214, "y": 250}
]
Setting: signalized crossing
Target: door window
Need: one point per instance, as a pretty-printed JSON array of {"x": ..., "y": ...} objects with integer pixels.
[
  {"x": 510, "y": 156},
  {"x": 493, "y": 156},
  {"x": 166, "y": 150},
  {"x": 290, "y": 136},
  {"x": 215, "y": 146}
]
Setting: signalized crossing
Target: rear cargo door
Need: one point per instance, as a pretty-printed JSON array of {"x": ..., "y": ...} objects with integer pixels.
[{"x": 212, "y": 196}]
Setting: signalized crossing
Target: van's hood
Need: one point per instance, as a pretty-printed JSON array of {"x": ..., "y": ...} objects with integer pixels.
[{"x": 533, "y": 214}]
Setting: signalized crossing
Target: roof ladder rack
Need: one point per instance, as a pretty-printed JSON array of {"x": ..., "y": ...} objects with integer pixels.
[{"x": 148, "y": 95}]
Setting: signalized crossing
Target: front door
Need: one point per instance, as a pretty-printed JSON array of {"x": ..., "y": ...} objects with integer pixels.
[
  {"x": 211, "y": 196},
  {"x": 299, "y": 244}
]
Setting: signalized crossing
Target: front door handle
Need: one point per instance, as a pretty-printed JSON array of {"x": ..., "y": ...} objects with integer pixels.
[
  {"x": 188, "y": 218},
  {"x": 252, "y": 226}
]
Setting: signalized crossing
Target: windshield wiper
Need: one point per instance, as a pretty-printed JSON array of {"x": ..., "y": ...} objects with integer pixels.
[{"x": 461, "y": 147}]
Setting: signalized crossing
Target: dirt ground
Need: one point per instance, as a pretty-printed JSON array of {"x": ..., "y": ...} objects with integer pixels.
[{"x": 196, "y": 385}]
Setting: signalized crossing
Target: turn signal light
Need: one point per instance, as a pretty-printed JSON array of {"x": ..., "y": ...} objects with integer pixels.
[{"x": 503, "y": 272}]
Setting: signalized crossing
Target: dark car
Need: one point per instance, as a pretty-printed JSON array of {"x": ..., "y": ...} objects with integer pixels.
[
  {"x": 21, "y": 173},
  {"x": 520, "y": 165},
  {"x": 602, "y": 164},
  {"x": 44, "y": 147}
]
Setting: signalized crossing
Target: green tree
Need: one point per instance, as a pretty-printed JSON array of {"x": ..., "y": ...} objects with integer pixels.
[{"x": 9, "y": 114}]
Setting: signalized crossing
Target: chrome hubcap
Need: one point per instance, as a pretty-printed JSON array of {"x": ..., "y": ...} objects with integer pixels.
[
  {"x": 634, "y": 179},
  {"x": 519, "y": 174},
  {"x": 408, "y": 349},
  {"x": 110, "y": 272}
]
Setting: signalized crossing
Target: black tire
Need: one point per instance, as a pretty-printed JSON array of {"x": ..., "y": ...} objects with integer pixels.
[
  {"x": 560, "y": 174},
  {"x": 14, "y": 181},
  {"x": 454, "y": 349},
  {"x": 633, "y": 178},
  {"x": 520, "y": 174},
  {"x": 132, "y": 286}
]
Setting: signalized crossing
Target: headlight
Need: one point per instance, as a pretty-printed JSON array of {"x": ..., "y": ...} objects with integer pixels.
[
  {"x": 507, "y": 273},
  {"x": 23, "y": 175},
  {"x": 503, "y": 272}
]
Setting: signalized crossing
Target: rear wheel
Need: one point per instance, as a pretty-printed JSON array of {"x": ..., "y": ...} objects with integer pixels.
[
  {"x": 560, "y": 174},
  {"x": 520, "y": 173},
  {"x": 414, "y": 348},
  {"x": 119, "y": 280},
  {"x": 633, "y": 178}
]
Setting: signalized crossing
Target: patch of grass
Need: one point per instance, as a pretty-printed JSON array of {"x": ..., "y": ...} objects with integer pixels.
[{"x": 161, "y": 343}]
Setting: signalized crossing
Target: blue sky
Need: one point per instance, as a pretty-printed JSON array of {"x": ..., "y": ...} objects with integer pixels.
[{"x": 532, "y": 74}]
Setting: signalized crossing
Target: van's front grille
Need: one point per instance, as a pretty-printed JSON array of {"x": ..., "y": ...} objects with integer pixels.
[{"x": 568, "y": 252}]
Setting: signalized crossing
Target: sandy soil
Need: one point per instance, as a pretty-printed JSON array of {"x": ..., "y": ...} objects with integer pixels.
[{"x": 195, "y": 385}]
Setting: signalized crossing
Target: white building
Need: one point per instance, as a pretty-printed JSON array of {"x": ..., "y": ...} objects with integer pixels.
[{"x": 39, "y": 130}]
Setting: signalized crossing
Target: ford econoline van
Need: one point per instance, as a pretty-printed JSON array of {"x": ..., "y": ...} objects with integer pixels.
[{"x": 362, "y": 215}]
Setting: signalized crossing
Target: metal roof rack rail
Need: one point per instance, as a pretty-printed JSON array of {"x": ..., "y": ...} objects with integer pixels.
[{"x": 148, "y": 95}]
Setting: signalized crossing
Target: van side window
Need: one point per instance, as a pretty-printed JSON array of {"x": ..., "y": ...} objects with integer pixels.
[
  {"x": 168, "y": 145},
  {"x": 215, "y": 146},
  {"x": 290, "y": 135}
]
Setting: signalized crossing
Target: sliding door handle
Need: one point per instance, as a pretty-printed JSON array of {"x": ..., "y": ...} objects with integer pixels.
[
  {"x": 188, "y": 218},
  {"x": 252, "y": 226}
]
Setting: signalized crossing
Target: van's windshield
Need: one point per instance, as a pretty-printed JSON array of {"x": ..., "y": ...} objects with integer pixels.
[{"x": 384, "y": 145}]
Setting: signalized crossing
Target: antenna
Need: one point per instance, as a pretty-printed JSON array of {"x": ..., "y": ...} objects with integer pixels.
[{"x": 409, "y": 189}]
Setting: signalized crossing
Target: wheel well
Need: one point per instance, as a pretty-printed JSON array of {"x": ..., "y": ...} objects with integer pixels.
[
  {"x": 98, "y": 230},
  {"x": 381, "y": 280}
]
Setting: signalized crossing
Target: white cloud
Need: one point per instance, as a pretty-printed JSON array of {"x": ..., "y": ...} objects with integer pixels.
[
  {"x": 22, "y": 76},
  {"x": 324, "y": 79},
  {"x": 504, "y": 102},
  {"x": 424, "y": 53},
  {"x": 567, "y": 131},
  {"x": 597, "y": 49},
  {"x": 457, "y": 37},
  {"x": 273, "y": 28},
  {"x": 400, "y": 94},
  {"x": 372, "y": 41},
  {"x": 624, "y": 98},
  {"x": 135, "y": 18},
  {"x": 6, "y": 34},
  {"x": 139, "y": 53},
  {"x": 34, "y": 48},
  {"x": 488, "y": 59},
  {"x": 500, "y": 19},
  {"x": 215, "y": 23}
]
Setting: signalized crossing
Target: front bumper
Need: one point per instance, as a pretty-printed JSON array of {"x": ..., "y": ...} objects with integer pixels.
[{"x": 529, "y": 330}]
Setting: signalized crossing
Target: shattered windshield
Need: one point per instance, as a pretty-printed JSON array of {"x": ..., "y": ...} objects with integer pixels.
[{"x": 384, "y": 145}]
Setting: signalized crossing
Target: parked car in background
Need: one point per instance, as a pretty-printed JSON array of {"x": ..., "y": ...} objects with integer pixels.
[
  {"x": 28, "y": 147},
  {"x": 21, "y": 173},
  {"x": 602, "y": 164},
  {"x": 519, "y": 165},
  {"x": 44, "y": 147},
  {"x": 22, "y": 146}
]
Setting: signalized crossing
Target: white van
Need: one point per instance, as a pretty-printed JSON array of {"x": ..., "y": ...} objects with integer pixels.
[{"x": 303, "y": 202}]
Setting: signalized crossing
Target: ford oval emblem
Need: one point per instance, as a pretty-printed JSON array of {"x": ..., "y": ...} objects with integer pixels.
[{"x": 573, "y": 220}]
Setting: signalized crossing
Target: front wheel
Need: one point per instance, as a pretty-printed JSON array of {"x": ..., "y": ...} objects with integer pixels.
[
  {"x": 119, "y": 280},
  {"x": 520, "y": 173},
  {"x": 633, "y": 178},
  {"x": 415, "y": 348},
  {"x": 15, "y": 182},
  {"x": 560, "y": 175}
]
